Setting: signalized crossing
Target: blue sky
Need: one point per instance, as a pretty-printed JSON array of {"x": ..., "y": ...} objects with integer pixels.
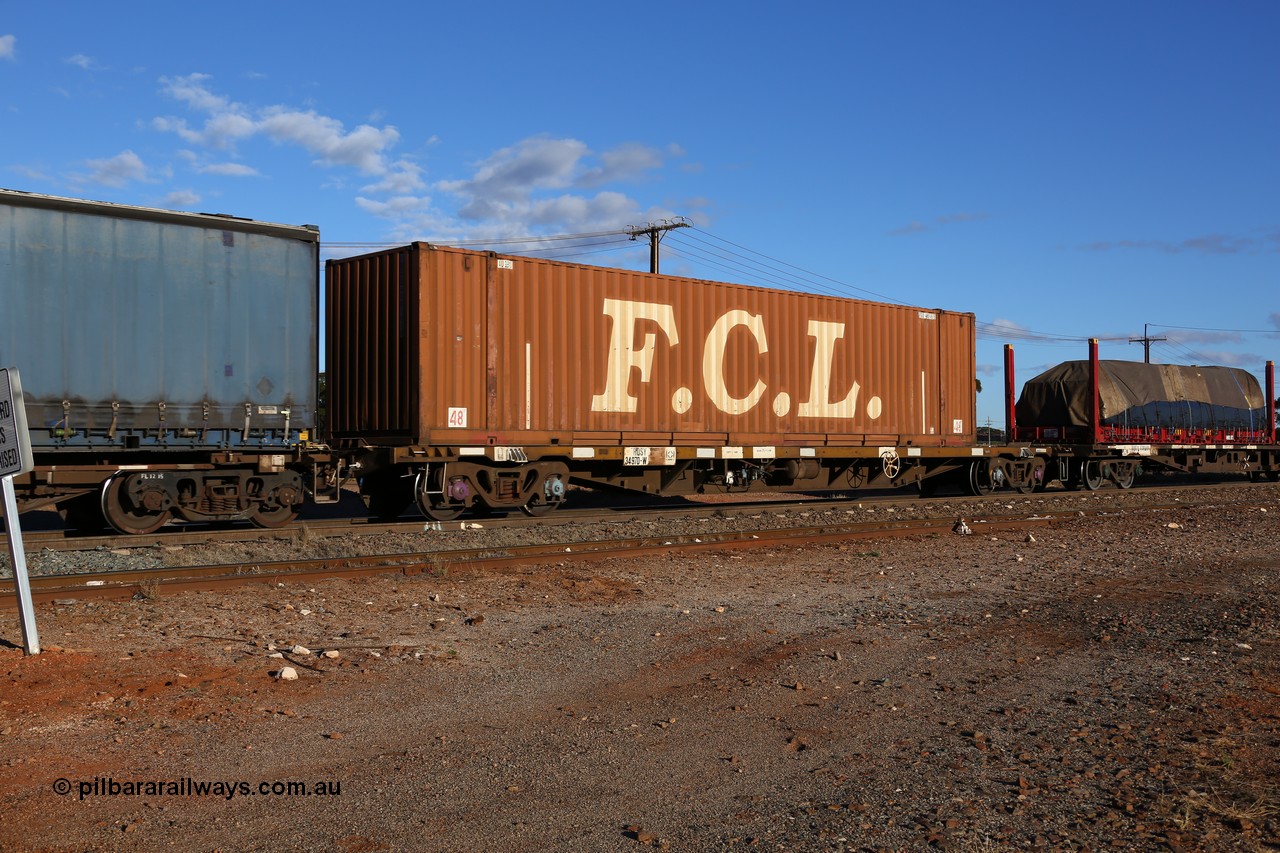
[{"x": 1063, "y": 171}]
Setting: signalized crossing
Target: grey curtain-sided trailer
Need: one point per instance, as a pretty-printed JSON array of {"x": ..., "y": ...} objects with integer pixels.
[
  {"x": 136, "y": 327},
  {"x": 152, "y": 337}
]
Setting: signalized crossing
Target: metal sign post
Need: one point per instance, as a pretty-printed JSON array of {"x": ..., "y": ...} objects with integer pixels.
[{"x": 15, "y": 458}]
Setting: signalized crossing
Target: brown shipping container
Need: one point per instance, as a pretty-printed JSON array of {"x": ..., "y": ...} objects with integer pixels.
[{"x": 439, "y": 346}]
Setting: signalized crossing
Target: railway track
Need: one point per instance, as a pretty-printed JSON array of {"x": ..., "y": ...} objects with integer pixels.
[
  {"x": 198, "y": 534},
  {"x": 320, "y": 527},
  {"x": 151, "y": 582}
]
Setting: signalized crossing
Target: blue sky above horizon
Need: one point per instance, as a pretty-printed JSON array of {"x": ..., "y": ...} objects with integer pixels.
[{"x": 1064, "y": 171}]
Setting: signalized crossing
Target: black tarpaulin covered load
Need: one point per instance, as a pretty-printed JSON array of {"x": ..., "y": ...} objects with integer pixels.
[{"x": 1145, "y": 396}]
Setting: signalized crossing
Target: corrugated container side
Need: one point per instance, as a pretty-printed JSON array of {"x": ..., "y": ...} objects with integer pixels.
[
  {"x": 370, "y": 345},
  {"x": 573, "y": 343},
  {"x": 516, "y": 350},
  {"x": 169, "y": 325},
  {"x": 959, "y": 371}
]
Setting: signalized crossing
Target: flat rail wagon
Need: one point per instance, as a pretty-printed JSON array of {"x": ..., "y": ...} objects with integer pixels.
[
  {"x": 1093, "y": 422},
  {"x": 466, "y": 379}
]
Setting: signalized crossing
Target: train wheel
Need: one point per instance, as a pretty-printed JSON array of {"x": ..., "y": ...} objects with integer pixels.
[
  {"x": 1273, "y": 475},
  {"x": 286, "y": 499},
  {"x": 538, "y": 506},
  {"x": 429, "y": 496},
  {"x": 1091, "y": 475},
  {"x": 441, "y": 512},
  {"x": 1125, "y": 475},
  {"x": 83, "y": 513},
  {"x": 980, "y": 481},
  {"x": 1033, "y": 479},
  {"x": 278, "y": 517},
  {"x": 124, "y": 515},
  {"x": 547, "y": 497}
]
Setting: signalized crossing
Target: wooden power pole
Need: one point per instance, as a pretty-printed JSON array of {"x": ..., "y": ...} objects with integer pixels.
[
  {"x": 655, "y": 232},
  {"x": 1146, "y": 340}
]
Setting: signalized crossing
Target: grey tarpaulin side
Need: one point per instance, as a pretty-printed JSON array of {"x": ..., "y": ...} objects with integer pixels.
[{"x": 1136, "y": 395}]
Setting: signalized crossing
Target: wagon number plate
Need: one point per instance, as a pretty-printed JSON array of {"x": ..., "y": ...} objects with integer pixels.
[{"x": 635, "y": 456}]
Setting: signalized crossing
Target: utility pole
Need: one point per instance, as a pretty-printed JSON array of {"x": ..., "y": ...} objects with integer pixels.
[
  {"x": 655, "y": 233},
  {"x": 1146, "y": 340}
]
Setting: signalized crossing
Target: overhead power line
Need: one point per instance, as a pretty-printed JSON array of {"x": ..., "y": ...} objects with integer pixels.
[
  {"x": 505, "y": 241},
  {"x": 1146, "y": 340},
  {"x": 749, "y": 266},
  {"x": 655, "y": 232},
  {"x": 1203, "y": 329},
  {"x": 844, "y": 288}
]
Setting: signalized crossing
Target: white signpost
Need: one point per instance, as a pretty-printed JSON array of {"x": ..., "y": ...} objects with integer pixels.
[{"x": 15, "y": 458}]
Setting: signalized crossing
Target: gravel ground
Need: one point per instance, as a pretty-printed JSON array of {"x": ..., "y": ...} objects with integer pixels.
[
  {"x": 480, "y": 534},
  {"x": 1110, "y": 682}
]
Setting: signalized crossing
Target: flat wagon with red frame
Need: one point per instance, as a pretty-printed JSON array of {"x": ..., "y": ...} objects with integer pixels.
[{"x": 1091, "y": 422}]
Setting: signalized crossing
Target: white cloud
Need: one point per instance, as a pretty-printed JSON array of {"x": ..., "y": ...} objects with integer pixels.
[
  {"x": 512, "y": 174},
  {"x": 362, "y": 148},
  {"x": 229, "y": 122},
  {"x": 81, "y": 61},
  {"x": 403, "y": 178},
  {"x": 181, "y": 198},
  {"x": 622, "y": 163},
  {"x": 118, "y": 170},
  {"x": 8, "y": 45},
  {"x": 196, "y": 95},
  {"x": 220, "y": 132},
  {"x": 1201, "y": 336},
  {"x": 414, "y": 218},
  {"x": 230, "y": 170},
  {"x": 508, "y": 194},
  {"x": 394, "y": 208},
  {"x": 1004, "y": 330},
  {"x": 1226, "y": 358},
  {"x": 605, "y": 210},
  {"x": 33, "y": 173},
  {"x": 525, "y": 189}
]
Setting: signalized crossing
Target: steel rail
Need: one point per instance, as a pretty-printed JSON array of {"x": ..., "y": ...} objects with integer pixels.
[
  {"x": 146, "y": 583},
  {"x": 194, "y": 534}
]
